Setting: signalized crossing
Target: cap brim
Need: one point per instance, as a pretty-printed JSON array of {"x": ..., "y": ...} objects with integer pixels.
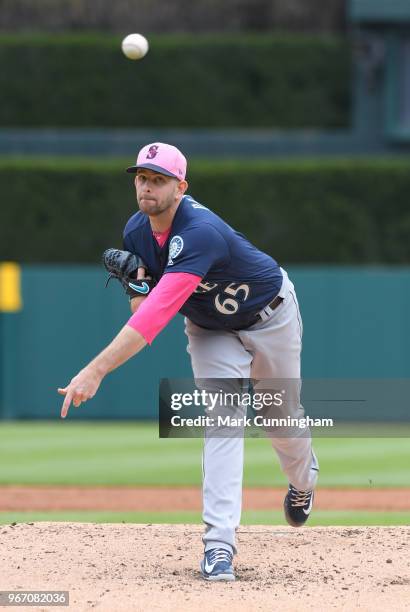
[{"x": 154, "y": 168}]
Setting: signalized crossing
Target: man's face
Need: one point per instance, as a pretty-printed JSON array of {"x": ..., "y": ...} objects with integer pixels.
[{"x": 156, "y": 192}]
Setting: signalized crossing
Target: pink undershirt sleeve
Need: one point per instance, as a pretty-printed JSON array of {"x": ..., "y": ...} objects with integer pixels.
[{"x": 163, "y": 303}]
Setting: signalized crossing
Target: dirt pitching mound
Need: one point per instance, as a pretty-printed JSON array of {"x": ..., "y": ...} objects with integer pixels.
[{"x": 129, "y": 567}]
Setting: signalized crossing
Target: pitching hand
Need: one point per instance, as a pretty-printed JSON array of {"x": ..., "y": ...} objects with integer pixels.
[{"x": 81, "y": 388}]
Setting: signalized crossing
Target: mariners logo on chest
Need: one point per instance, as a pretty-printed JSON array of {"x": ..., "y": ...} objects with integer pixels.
[{"x": 175, "y": 247}]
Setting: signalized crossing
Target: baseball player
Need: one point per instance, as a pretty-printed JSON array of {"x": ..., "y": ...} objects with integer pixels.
[{"x": 242, "y": 321}]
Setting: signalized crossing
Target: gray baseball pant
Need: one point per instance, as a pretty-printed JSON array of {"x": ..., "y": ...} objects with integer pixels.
[{"x": 270, "y": 349}]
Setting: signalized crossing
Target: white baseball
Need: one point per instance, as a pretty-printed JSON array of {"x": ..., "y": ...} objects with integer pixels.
[{"x": 134, "y": 46}]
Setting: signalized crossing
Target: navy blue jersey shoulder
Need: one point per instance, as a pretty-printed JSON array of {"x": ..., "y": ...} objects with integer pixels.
[{"x": 238, "y": 279}]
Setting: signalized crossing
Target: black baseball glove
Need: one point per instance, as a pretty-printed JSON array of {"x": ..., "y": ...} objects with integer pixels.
[{"x": 123, "y": 266}]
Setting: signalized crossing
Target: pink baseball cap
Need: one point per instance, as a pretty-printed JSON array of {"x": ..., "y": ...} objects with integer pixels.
[{"x": 163, "y": 158}]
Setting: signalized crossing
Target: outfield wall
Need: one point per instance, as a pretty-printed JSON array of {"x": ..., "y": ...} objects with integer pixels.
[{"x": 355, "y": 319}]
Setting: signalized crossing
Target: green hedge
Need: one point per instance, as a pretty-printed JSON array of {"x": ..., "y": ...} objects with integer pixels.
[
  {"x": 340, "y": 211},
  {"x": 184, "y": 81}
]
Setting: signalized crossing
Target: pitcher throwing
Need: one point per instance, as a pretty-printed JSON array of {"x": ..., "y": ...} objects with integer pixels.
[{"x": 242, "y": 321}]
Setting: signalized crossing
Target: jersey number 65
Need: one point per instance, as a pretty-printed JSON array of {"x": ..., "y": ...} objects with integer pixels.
[{"x": 228, "y": 305}]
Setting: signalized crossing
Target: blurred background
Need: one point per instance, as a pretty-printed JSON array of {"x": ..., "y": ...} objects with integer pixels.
[{"x": 295, "y": 118}]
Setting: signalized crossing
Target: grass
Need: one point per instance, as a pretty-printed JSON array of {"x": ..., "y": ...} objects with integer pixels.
[
  {"x": 249, "y": 517},
  {"x": 132, "y": 454}
]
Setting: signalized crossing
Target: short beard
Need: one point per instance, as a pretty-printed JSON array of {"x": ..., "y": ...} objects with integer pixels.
[{"x": 156, "y": 209}]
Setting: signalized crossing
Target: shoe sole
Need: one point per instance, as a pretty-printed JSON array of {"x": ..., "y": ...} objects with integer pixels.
[{"x": 220, "y": 577}]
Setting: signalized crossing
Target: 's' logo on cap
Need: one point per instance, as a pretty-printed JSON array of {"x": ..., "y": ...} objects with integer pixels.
[{"x": 152, "y": 152}]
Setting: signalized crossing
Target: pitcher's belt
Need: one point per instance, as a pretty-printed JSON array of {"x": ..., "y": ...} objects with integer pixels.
[
  {"x": 258, "y": 317},
  {"x": 274, "y": 304}
]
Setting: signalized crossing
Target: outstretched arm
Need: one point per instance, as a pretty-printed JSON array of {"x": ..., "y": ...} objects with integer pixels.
[{"x": 151, "y": 317}]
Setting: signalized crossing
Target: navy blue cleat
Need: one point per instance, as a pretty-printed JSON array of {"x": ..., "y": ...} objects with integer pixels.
[
  {"x": 298, "y": 505},
  {"x": 217, "y": 565}
]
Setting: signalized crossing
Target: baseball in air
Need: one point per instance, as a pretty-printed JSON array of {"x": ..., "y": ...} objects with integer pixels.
[{"x": 134, "y": 46}]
